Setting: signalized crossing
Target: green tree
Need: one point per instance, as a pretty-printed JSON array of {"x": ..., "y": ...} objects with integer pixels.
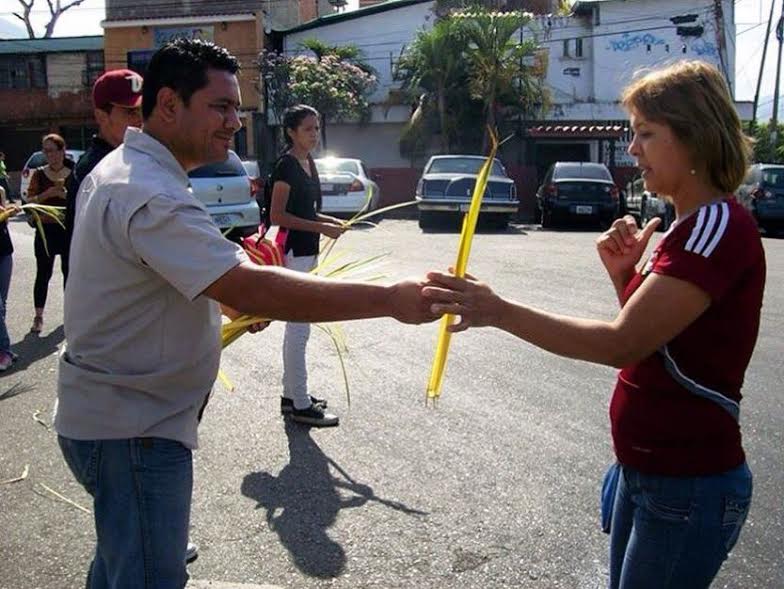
[
  {"x": 338, "y": 89},
  {"x": 764, "y": 150},
  {"x": 504, "y": 75},
  {"x": 470, "y": 66},
  {"x": 433, "y": 65}
]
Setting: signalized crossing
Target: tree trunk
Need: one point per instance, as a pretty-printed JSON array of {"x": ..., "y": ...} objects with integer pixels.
[
  {"x": 490, "y": 120},
  {"x": 323, "y": 132},
  {"x": 442, "y": 119}
]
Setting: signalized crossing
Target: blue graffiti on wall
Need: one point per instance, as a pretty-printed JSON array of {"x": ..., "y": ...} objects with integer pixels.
[
  {"x": 705, "y": 48},
  {"x": 628, "y": 42}
]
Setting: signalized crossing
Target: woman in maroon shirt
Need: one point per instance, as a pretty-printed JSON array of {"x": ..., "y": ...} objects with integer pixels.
[{"x": 683, "y": 338}]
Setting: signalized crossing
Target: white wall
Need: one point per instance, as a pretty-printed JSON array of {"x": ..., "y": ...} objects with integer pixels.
[
  {"x": 569, "y": 78},
  {"x": 64, "y": 72},
  {"x": 635, "y": 35},
  {"x": 380, "y": 36},
  {"x": 378, "y": 145}
]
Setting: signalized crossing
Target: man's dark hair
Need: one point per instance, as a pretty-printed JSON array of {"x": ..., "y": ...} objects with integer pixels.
[{"x": 182, "y": 66}]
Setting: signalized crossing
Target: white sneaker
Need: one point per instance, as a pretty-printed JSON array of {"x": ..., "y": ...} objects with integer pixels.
[{"x": 191, "y": 552}]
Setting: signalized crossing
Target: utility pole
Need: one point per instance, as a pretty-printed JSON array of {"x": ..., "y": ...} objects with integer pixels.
[
  {"x": 762, "y": 66},
  {"x": 774, "y": 120}
]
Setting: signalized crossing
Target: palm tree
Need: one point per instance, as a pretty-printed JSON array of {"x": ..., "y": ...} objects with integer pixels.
[
  {"x": 499, "y": 62},
  {"x": 432, "y": 64}
]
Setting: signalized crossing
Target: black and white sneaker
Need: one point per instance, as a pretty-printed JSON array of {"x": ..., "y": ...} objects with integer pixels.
[
  {"x": 314, "y": 415},
  {"x": 287, "y": 405}
]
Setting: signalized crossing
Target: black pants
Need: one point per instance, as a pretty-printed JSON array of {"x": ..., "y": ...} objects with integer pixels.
[{"x": 57, "y": 245}]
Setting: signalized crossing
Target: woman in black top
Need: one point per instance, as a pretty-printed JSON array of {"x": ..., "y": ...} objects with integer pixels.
[
  {"x": 296, "y": 202},
  {"x": 49, "y": 185}
]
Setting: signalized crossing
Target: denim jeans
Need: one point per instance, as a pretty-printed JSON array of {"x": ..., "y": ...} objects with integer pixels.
[
  {"x": 141, "y": 489},
  {"x": 295, "y": 344},
  {"x": 6, "y": 266},
  {"x": 672, "y": 532}
]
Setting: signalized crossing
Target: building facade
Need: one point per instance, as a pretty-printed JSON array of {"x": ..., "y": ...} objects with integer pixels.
[
  {"x": 45, "y": 87},
  {"x": 591, "y": 54}
]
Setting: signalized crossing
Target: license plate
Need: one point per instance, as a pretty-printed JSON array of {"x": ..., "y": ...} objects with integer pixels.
[
  {"x": 225, "y": 220},
  {"x": 327, "y": 187},
  {"x": 464, "y": 208},
  {"x": 582, "y": 210}
]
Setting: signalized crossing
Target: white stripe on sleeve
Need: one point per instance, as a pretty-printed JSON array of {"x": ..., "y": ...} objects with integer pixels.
[
  {"x": 695, "y": 233},
  {"x": 725, "y": 217},
  {"x": 713, "y": 213}
]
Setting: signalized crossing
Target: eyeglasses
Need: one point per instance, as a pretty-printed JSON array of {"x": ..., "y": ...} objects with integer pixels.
[{"x": 51, "y": 149}]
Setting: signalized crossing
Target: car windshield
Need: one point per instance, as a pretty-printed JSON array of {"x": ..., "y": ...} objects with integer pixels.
[
  {"x": 582, "y": 170},
  {"x": 773, "y": 177},
  {"x": 462, "y": 165},
  {"x": 229, "y": 168},
  {"x": 333, "y": 165}
]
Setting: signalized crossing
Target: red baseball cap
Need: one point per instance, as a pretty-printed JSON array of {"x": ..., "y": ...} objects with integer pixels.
[{"x": 118, "y": 88}]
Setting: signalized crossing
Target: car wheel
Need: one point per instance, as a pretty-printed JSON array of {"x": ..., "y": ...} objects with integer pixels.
[{"x": 426, "y": 220}]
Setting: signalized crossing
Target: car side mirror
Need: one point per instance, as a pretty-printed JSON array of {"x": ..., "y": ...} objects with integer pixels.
[{"x": 375, "y": 177}]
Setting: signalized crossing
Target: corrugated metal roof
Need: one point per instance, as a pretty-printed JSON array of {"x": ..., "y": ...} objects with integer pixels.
[{"x": 53, "y": 45}]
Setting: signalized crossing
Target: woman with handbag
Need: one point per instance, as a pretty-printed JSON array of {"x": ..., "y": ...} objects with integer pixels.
[
  {"x": 295, "y": 206},
  {"x": 683, "y": 339},
  {"x": 48, "y": 186}
]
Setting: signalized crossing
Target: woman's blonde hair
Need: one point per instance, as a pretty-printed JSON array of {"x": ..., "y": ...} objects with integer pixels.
[{"x": 692, "y": 98}]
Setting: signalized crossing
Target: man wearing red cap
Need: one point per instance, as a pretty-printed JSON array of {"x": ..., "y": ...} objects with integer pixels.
[{"x": 117, "y": 99}]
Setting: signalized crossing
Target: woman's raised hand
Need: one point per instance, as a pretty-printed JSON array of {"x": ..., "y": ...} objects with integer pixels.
[{"x": 622, "y": 245}]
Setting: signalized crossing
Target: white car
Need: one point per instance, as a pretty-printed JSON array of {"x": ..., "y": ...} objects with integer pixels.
[
  {"x": 345, "y": 185},
  {"x": 229, "y": 194},
  {"x": 37, "y": 160}
]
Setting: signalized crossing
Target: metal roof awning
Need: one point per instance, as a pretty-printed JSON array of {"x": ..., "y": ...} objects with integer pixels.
[{"x": 577, "y": 131}]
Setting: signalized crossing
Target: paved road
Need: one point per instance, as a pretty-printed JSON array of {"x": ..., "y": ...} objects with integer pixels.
[{"x": 497, "y": 487}]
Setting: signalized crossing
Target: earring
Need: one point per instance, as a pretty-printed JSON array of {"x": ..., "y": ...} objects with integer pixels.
[{"x": 693, "y": 172}]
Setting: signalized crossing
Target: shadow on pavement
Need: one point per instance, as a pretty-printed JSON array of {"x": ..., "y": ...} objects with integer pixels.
[
  {"x": 303, "y": 502},
  {"x": 33, "y": 348}
]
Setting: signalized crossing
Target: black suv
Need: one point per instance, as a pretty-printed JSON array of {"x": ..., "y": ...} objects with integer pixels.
[
  {"x": 577, "y": 190},
  {"x": 762, "y": 193}
]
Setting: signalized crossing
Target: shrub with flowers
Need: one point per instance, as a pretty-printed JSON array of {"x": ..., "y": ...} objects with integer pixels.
[{"x": 335, "y": 87}]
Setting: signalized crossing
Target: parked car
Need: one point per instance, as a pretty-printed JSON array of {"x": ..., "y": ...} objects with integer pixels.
[
  {"x": 37, "y": 160},
  {"x": 346, "y": 185},
  {"x": 447, "y": 184},
  {"x": 762, "y": 193},
  {"x": 644, "y": 205},
  {"x": 577, "y": 190},
  {"x": 227, "y": 191},
  {"x": 256, "y": 180}
]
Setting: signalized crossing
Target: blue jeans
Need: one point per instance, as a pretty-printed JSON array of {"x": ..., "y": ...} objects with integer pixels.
[
  {"x": 6, "y": 266},
  {"x": 674, "y": 533},
  {"x": 141, "y": 490}
]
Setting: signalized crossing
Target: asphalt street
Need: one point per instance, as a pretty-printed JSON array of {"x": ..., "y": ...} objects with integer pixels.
[{"x": 497, "y": 486}]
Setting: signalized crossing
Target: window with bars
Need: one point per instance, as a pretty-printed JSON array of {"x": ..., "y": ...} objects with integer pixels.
[
  {"x": 94, "y": 67},
  {"x": 19, "y": 72}
]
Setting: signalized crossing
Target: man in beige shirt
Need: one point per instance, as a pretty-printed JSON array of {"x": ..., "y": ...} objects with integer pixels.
[{"x": 142, "y": 320}]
